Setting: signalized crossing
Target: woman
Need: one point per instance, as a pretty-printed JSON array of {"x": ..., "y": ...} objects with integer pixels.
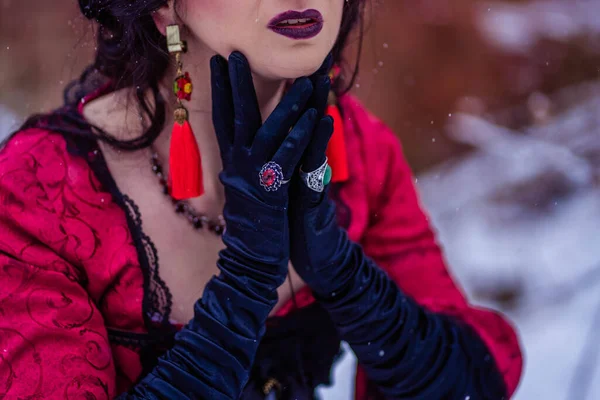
[{"x": 89, "y": 213}]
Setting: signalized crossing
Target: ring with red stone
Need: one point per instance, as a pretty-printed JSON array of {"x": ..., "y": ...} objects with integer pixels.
[{"x": 271, "y": 177}]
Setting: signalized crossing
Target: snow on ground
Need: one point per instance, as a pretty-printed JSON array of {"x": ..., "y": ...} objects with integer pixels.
[
  {"x": 523, "y": 213},
  {"x": 517, "y": 27}
]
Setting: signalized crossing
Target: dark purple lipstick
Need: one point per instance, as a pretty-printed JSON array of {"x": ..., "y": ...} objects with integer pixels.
[{"x": 297, "y": 24}]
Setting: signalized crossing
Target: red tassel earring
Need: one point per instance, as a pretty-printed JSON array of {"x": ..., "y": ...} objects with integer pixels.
[
  {"x": 336, "y": 151},
  {"x": 185, "y": 164}
]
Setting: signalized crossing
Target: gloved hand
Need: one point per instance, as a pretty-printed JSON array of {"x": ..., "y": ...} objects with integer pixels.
[
  {"x": 395, "y": 340},
  {"x": 314, "y": 234},
  {"x": 214, "y": 353},
  {"x": 258, "y": 160}
]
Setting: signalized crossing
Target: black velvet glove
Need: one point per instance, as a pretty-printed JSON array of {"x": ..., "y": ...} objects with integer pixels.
[
  {"x": 258, "y": 160},
  {"x": 406, "y": 351},
  {"x": 213, "y": 355}
]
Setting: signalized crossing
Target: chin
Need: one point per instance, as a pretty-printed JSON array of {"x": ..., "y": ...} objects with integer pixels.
[{"x": 289, "y": 64}]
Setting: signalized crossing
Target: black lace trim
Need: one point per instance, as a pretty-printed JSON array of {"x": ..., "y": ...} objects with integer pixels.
[
  {"x": 157, "y": 297},
  {"x": 157, "y": 302}
]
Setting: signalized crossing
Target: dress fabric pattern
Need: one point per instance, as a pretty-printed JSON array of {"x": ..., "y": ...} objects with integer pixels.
[{"x": 83, "y": 312}]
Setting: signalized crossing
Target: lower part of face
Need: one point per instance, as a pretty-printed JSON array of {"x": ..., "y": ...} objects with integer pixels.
[{"x": 293, "y": 47}]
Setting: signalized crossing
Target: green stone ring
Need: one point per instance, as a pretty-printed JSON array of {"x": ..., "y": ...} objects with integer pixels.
[
  {"x": 317, "y": 179},
  {"x": 328, "y": 175}
]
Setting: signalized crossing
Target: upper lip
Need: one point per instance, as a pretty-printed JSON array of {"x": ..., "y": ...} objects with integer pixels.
[{"x": 307, "y": 14}]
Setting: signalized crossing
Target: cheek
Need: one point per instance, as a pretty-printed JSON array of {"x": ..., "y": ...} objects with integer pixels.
[
  {"x": 211, "y": 7},
  {"x": 203, "y": 16},
  {"x": 337, "y": 14},
  {"x": 219, "y": 24}
]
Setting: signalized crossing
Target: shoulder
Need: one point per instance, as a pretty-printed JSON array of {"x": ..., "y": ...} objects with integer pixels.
[
  {"x": 31, "y": 154},
  {"x": 44, "y": 183},
  {"x": 43, "y": 171},
  {"x": 375, "y": 147},
  {"x": 53, "y": 207},
  {"x": 33, "y": 163},
  {"x": 28, "y": 143},
  {"x": 364, "y": 126}
]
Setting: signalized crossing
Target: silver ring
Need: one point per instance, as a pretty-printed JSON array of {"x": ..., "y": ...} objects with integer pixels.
[
  {"x": 315, "y": 179},
  {"x": 271, "y": 177}
]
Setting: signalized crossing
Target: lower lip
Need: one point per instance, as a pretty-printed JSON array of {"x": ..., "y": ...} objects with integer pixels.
[{"x": 299, "y": 32}]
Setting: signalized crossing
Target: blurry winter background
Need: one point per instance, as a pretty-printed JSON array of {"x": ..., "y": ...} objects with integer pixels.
[{"x": 497, "y": 104}]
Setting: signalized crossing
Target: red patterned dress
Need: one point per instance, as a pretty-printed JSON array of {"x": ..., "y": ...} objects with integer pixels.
[{"x": 83, "y": 311}]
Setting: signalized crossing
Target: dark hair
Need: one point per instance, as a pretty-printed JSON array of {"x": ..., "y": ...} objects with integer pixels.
[{"x": 131, "y": 52}]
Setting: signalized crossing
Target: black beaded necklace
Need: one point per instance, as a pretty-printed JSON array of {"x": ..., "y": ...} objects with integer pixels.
[
  {"x": 197, "y": 220},
  {"x": 182, "y": 207}
]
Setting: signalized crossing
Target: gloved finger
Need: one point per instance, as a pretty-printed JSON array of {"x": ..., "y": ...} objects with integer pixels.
[
  {"x": 303, "y": 196},
  {"x": 289, "y": 154},
  {"x": 314, "y": 156},
  {"x": 320, "y": 95},
  {"x": 325, "y": 67},
  {"x": 222, "y": 104},
  {"x": 245, "y": 104},
  {"x": 322, "y": 84},
  {"x": 282, "y": 119}
]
